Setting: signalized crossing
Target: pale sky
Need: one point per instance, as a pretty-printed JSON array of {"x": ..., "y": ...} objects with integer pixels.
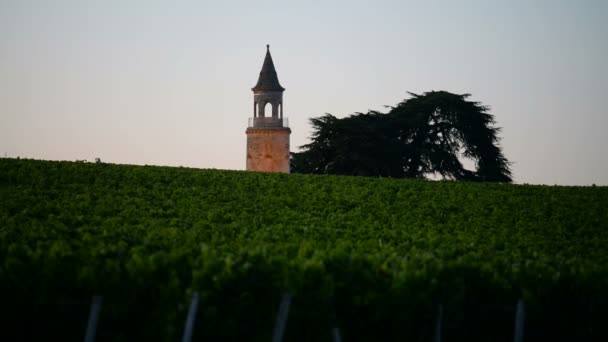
[{"x": 169, "y": 82}]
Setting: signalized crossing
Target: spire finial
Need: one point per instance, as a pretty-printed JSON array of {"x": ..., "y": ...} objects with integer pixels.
[{"x": 267, "y": 47}]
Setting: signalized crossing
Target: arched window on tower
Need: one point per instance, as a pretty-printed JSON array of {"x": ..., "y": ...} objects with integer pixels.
[{"x": 267, "y": 109}]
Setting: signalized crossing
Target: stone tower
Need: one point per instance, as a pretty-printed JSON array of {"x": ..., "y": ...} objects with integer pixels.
[{"x": 268, "y": 131}]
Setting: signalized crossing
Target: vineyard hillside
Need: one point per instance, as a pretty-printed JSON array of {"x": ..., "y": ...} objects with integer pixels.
[{"x": 374, "y": 257}]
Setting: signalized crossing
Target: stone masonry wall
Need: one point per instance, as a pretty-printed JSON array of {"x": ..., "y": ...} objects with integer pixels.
[{"x": 268, "y": 149}]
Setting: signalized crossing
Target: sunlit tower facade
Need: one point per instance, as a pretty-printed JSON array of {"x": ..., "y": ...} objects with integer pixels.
[{"x": 268, "y": 131}]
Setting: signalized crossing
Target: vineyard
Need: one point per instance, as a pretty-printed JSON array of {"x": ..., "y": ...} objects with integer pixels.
[{"x": 371, "y": 256}]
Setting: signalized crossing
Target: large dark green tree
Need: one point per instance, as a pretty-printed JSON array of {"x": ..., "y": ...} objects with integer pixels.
[{"x": 428, "y": 134}]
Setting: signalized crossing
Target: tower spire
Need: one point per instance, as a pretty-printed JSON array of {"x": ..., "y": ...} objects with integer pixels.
[{"x": 268, "y": 80}]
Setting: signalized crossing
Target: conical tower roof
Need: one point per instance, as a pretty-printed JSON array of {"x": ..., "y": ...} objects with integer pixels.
[{"x": 268, "y": 80}]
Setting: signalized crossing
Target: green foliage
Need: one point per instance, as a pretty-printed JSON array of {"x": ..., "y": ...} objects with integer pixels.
[
  {"x": 426, "y": 134},
  {"x": 373, "y": 255}
]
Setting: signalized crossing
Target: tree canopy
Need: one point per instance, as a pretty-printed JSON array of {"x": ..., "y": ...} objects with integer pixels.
[{"x": 428, "y": 134}]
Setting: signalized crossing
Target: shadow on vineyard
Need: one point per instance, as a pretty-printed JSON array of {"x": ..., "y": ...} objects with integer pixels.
[{"x": 363, "y": 258}]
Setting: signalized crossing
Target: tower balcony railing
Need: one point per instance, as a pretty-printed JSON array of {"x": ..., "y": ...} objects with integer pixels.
[{"x": 268, "y": 122}]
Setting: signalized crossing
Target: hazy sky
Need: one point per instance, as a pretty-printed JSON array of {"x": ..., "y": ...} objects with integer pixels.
[{"x": 169, "y": 82}]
